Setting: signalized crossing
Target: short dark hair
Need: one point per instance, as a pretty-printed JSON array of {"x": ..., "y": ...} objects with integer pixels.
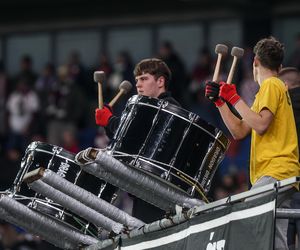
[
  {"x": 288, "y": 70},
  {"x": 292, "y": 81},
  {"x": 155, "y": 67},
  {"x": 270, "y": 53}
]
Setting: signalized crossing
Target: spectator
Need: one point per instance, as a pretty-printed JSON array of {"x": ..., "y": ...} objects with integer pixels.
[
  {"x": 22, "y": 106},
  {"x": 65, "y": 108},
  {"x": 122, "y": 70},
  {"x": 26, "y": 72},
  {"x": 294, "y": 60},
  {"x": 3, "y": 113},
  {"x": 201, "y": 71},
  {"x": 12, "y": 238},
  {"x": 178, "y": 83},
  {"x": 291, "y": 77}
]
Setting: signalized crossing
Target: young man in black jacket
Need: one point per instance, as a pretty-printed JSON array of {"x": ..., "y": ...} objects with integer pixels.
[{"x": 152, "y": 77}]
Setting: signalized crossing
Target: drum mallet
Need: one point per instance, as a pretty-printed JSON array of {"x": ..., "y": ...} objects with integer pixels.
[
  {"x": 124, "y": 88},
  {"x": 221, "y": 50},
  {"x": 99, "y": 77},
  {"x": 237, "y": 53}
]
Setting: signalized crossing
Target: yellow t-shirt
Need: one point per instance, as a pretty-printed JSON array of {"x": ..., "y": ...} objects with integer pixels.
[{"x": 275, "y": 153}]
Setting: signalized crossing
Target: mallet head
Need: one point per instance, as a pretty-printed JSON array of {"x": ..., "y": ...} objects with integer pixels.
[
  {"x": 126, "y": 86},
  {"x": 237, "y": 52},
  {"x": 221, "y": 49},
  {"x": 99, "y": 76}
]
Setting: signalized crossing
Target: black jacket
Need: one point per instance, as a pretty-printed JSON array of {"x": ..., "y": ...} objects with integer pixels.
[{"x": 295, "y": 97}]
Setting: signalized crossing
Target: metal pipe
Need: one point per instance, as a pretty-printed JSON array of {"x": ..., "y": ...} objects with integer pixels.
[
  {"x": 146, "y": 181},
  {"x": 285, "y": 213},
  {"x": 133, "y": 188},
  {"x": 77, "y": 207},
  {"x": 90, "y": 200},
  {"x": 50, "y": 229}
]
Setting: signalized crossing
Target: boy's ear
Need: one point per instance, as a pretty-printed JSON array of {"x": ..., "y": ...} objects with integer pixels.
[
  {"x": 161, "y": 81},
  {"x": 256, "y": 62}
]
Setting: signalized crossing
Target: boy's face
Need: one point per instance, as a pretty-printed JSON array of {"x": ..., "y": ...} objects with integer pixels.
[{"x": 147, "y": 85}]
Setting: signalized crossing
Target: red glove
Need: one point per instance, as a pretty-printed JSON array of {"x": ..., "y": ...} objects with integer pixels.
[
  {"x": 103, "y": 115},
  {"x": 212, "y": 90},
  {"x": 228, "y": 93}
]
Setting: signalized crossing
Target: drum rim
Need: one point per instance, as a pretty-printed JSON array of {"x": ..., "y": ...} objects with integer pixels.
[
  {"x": 63, "y": 153},
  {"x": 57, "y": 155},
  {"x": 157, "y": 166}
]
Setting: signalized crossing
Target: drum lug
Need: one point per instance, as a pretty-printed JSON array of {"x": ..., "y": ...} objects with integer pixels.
[
  {"x": 192, "y": 117},
  {"x": 166, "y": 175},
  {"x": 60, "y": 215},
  {"x": 32, "y": 146},
  {"x": 32, "y": 205},
  {"x": 162, "y": 103},
  {"x": 135, "y": 162},
  {"x": 56, "y": 150}
]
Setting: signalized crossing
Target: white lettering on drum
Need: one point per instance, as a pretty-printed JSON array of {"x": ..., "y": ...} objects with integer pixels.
[
  {"x": 210, "y": 165},
  {"x": 63, "y": 169}
]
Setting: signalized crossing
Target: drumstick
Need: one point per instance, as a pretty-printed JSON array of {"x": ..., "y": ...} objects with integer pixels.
[
  {"x": 237, "y": 53},
  {"x": 221, "y": 50},
  {"x": 99, "y": 77},
  {"x": 124, "y": 88}
]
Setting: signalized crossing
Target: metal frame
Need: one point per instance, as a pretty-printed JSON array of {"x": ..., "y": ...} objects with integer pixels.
[{"x": 280, "y": 186}]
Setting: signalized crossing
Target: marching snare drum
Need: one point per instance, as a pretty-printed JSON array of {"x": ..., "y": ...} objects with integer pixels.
[
  {"x": 170, "y": 143},
  {"x": 61, "y": 162}
]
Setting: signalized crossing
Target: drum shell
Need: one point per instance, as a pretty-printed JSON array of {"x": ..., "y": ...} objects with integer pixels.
[
  {"x": 61, "y": 162},
  {"x": 166, "y": 140}
]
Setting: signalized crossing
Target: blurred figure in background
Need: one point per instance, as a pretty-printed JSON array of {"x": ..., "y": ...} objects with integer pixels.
[
  {"x": 13, "y": 238},
  {"x": 101, "y": 139},
  {"x": 22, "y": 106},
  {"x": 65, "y": 108},
  {"x": 291, "y": 77},
  {"x": 294, "y": 60},
  {"x": 70, "y": 142},
  {"x": 26, "y": 71},
  {"x": 178, "y": 84},
  {"x": 200, "y": 73},
  {"x": 47, "y": 80},
  {"x": 45, "y": 84},
  {"x": 106, "y": 67},
  {"x": 122, "y": 70},
  {"x": 3, "y": 111},
  {"x": 76, "y": 70}
]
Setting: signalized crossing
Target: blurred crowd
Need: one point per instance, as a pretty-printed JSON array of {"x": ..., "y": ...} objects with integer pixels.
[{"x": 57, "y": 105}]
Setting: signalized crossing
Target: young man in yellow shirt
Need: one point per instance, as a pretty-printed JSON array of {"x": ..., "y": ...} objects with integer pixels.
[{"x": 274, "y": 148}]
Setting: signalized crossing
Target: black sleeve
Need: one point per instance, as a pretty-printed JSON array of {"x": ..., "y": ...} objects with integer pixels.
[
  {"x": 112, "y": 126},
  {"x": 172, "y": 101}
]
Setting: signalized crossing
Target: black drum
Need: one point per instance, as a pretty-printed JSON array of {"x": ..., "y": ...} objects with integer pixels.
[
  {"x": 61, "y": 162},
  {"x": 169, "y": 142}
]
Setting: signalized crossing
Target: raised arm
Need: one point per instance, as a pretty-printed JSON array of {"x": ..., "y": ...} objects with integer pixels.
[
  {"x": 239, "y": 129},
  {"x": 257, "y": 121}
]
